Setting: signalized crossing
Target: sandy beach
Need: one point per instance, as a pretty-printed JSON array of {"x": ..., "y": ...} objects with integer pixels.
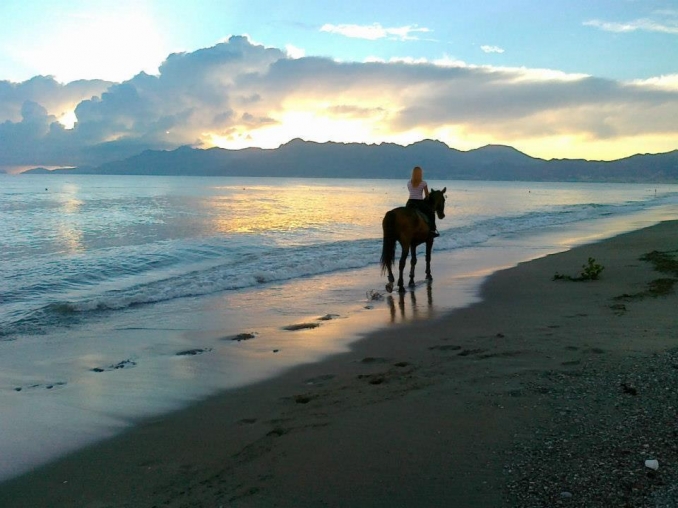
[{"x": 546, "y": 393}]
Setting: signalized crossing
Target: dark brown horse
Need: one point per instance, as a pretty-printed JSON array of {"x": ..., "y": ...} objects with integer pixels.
[{"x": 410, "y": 228}]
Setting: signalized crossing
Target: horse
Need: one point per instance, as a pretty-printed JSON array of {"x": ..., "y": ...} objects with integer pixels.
[{"x": 409, "y": 227}]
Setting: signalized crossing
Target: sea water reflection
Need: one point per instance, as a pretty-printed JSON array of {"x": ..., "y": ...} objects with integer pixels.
[{"x": 297, "y": 210}]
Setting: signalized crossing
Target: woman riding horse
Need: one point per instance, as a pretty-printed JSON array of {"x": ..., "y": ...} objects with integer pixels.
[{"x": 409, "y": 227}]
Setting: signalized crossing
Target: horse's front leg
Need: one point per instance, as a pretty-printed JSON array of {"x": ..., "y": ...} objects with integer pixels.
[
  {"x": 429, "y": 248},
  {"x": 401, "y": 266},
  {"x": 413, "y": 263}
]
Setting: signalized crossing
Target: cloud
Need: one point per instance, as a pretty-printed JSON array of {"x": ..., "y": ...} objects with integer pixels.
[
  {"x": 668, "y": 82},
  {"x": 375, "y": 31},
  {"x": 294, "y": 52},
  {"x": 491, "y": 49},
  {"x": 55, "y": 97},
  {"x": 120, "y": 40},
  {"x": 237, "y": 94},
  {"x": 664, "y": 22}
]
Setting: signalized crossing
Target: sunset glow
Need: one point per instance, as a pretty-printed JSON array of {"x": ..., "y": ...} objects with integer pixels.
[
  {"x": 68, "y": 119},
  {"x": 362, "y": 80}
]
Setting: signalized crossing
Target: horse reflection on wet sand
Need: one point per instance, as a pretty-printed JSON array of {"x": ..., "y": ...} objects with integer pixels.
[
  {"x": 409, "y": 227},
  {"x": 405, "y": 313}
]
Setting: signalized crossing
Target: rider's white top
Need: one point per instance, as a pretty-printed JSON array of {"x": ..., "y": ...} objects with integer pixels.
[{"x": 418, "y": 191}]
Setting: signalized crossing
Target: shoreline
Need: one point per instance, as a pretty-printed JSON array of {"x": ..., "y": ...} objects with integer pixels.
[{"x": 425, "y": 414}]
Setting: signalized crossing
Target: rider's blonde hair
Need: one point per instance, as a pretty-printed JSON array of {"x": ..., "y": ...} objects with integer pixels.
[{"x": 417, "y": 176}]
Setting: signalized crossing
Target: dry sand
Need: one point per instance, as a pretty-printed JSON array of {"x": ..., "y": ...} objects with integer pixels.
[{"x": 548, "y": 393}]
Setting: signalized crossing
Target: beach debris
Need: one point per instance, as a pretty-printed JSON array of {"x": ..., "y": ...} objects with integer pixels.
[
  {"x": 652, "y": 464},
  {"x": 565, "y": 495},
  {"x": 655, "y": 289},
  {"x": 628, "y": 389},
  {"x": 193, "y": 352},
  {"x": 665, "y": 262},
  {"x": 373, "y": 294},
  {"x": 276, "y": 350}
]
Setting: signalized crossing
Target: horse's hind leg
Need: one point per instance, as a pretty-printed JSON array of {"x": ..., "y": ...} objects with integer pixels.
[{"x": 413, "y": 264}]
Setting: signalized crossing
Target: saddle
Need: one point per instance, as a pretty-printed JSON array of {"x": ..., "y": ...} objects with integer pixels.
[{"x": 423, "y": 216}]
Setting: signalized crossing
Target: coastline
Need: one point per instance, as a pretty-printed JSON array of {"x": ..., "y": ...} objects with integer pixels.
[{"x": 429, "y": 413}]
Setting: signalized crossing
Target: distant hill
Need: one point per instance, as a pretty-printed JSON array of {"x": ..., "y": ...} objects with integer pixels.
[
  {"x": 38, "y": 171},
  {"x": 300, "y": 158}
]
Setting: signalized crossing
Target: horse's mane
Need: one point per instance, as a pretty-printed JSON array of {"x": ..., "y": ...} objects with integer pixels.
[{"x": 430, "y": 195}]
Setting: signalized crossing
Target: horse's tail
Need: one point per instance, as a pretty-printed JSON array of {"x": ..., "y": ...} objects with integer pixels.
[{"x": 389, "y": 244}]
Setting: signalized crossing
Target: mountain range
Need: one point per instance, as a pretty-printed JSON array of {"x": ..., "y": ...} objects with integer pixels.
[{"x": 309, "y": 159}]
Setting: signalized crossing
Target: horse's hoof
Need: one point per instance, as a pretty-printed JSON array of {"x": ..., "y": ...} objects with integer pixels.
[
  {"x": 412, "y": 284},
  {"x": 389, "y": 287},
  {"x": 402, "y": 290},
  {"x": 429, "y": 277}
]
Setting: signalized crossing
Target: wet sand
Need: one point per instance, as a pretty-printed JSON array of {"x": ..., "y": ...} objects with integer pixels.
[{"x": 450, "y": 411}]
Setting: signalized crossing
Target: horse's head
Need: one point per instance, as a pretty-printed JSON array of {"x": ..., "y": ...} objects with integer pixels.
[{"x": 437, "y": 202}]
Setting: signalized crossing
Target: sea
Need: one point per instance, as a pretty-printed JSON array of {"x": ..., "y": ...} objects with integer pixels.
[{"x": 128, "y": 297}]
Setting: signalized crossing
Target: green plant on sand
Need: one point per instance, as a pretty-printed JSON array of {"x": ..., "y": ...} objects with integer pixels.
[{"x": 590, "y": 271}]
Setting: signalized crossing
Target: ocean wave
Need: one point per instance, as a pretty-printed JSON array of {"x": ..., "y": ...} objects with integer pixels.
[{"x": 66, "y": 292}]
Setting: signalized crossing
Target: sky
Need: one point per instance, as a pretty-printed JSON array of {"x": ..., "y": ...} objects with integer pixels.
[{"x": 83, "y": 82}]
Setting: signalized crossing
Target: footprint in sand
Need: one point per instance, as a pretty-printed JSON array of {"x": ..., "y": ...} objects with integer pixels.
[
  {"x": 328, "y": 317},
  {"x": 44, "y": 386},
  {"x": 502, "y": 354},
  {"x": 594, "y": 350},
  {"x": 320, "y": 380},
  {"x": 242, "y": 336},
  {"x": 278, "y": 431},
  {"x": 301, "y": 326},
  {"x": 370, "y": 360},
  {"x": 193, "y": 352},
  {"x": 373, "y": 379},
  {"x": 303, "y": 398},
  {"x": 446, "y": 347},
  {"x": 469, "y": 352},
  {"x": 125, "y": 364}
]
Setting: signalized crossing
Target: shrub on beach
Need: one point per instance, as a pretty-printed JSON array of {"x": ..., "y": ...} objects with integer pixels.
[{"x": 590, "y": 271}]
